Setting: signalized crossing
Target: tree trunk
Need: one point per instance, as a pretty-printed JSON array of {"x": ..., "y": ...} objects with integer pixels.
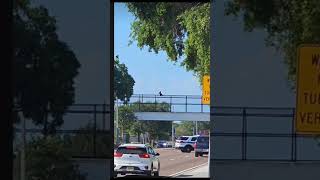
[
  {"x": 122, "y": 135},
  {"x": 139, "y": 137},
  {"x": 45, "y": 125}
]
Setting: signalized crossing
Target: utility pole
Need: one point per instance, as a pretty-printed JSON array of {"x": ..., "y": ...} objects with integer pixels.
[
  {"x": 117, "y": 122},
  {"x": 172, "y": 135},
  {"x": 196, "y": 127}
]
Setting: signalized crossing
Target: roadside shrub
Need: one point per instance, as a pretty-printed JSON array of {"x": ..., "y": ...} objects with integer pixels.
[{"x": 48, "y": 159}]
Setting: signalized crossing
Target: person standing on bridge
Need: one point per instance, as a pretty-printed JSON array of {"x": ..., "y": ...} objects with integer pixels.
[{"x": 160, "y": 93}]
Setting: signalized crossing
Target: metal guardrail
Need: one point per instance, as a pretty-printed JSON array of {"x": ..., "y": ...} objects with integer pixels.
[
  {"x": 219, "y": 111},
  {"x": 244, "y": 134},
  {"x": 93, "y": 133}
]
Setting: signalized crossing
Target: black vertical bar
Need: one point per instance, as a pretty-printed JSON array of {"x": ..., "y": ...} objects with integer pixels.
[
  {"x": 244, "y": 134},
  {"x": 155, "y": 102},
  {"x": 95, "y": 131},
  {"x": 186, "y": 103},
  {"x": 294, "y": 137},
  {"x": 170, "y": 103},
  {"x": 201, "y": 105},
  {"x": 104, "y": 116},
  {"x": 139, "y": 102}
]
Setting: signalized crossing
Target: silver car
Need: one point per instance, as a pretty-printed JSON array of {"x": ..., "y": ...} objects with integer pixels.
[{"x": 136, "y": 159}]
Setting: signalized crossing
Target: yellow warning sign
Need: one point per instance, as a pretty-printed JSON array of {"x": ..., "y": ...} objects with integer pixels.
[
  {"x": 308, "y": 90},
  {"x": 206, "y": 90}
]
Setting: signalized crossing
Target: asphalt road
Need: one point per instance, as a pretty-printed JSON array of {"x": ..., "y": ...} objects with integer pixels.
[{"x": 173, "y": 161}]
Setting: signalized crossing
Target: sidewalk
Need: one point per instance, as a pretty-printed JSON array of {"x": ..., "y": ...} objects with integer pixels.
[{"x": 201, "y": 172}]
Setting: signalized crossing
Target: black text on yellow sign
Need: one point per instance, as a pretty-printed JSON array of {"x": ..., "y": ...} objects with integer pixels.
[
  {"x": 206, "y": 90},
  {"x": 308, "y": 90}
]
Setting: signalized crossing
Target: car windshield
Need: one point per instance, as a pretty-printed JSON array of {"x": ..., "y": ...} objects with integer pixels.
[
  {"x": 183, "y": 138},
  {"x": 131, "y": 150},
  {"x": 203, "y": 139}
]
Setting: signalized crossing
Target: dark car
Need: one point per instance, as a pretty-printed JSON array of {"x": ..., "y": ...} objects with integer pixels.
[
  {"x": 201, "y": 146},
  {"x": 162, "y": 144}
]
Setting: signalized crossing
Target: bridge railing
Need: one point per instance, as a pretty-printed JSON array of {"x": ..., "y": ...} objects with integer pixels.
[{"x": 176, "y": 103}]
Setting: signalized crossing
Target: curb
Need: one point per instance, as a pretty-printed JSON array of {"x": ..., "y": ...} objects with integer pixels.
[{"x": 186, "y": 170}]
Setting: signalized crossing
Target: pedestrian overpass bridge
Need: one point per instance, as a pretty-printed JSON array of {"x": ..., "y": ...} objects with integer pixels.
[
  {"x": 173, "y": 116},
  {"x": 169, "y": 107}
]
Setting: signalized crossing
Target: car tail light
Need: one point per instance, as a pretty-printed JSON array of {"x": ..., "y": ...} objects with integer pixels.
[
  {"x": 117, "y": 154},
  {"x": 131, "y": 147},
  {"x": 144, "y": 156}
]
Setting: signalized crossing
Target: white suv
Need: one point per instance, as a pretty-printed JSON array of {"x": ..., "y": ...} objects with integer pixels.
[
  {"x": 136, "y": 159},
  {"x": 186, "y": 143}
]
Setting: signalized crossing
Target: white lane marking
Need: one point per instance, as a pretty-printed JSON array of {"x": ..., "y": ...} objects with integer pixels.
[
  {"x": 171, "y": 159},
  {"x": 181, "y": 172}
]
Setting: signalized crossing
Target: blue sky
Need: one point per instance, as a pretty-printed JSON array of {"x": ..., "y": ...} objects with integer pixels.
[{"x": 152, "y": 72}]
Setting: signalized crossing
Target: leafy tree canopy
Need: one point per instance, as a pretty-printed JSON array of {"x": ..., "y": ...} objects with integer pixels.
[
  {"x": 175, "y": 28},
  {"x": 123, "y": 81},
  {"x": 45, "y": 67},
  {"x": 185, "y": 129},
  {"x": 156, "y": 129},
  {"x": 48, "y": 159},
  {"x": 288, "y": 23},
  {"x": 83, "y": 143},
  {"x": 126, "y": 117}
]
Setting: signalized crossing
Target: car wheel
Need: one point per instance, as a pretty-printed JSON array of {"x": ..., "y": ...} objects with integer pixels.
[
  {"x": 158, "y": 171},
  {"x": 150, "y": 172},
  {"x": 196, "y": 154},
  {"x": 183, "y": 150},
  {"x": 188, "y": 149},
  {"x": 201, "y": 154}
]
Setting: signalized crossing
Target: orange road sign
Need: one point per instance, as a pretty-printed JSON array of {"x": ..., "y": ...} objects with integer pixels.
[
  {"x": 206, "y": 90},
  {"x": 307, "y": 115}
]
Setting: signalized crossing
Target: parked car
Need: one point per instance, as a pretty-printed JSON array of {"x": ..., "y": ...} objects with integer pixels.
[
  {"x": 162, "y": 144},
  {"x": 186, "y": 143},
  {"x": 201, "y": 146},
  {"x": 136, "y": 159}
]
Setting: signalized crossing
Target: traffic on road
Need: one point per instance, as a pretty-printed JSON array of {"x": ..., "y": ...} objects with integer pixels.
[{"x": 134, "y": 159}]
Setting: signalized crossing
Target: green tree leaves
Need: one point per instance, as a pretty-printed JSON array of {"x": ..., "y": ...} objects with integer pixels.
[
  {"x": 48, "y": 159},
  {"x": 156, "y": 129},
  {"x": 123, "y": 82},
  {"x": 288, "y": 23},
  {"x": 45, "y": 67},
  {"x": 126, "y": 117},
  {"x": 196, "y": 20},
  {"x": 176, "y": 28},
  {"x": 186, "y": 128}
]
